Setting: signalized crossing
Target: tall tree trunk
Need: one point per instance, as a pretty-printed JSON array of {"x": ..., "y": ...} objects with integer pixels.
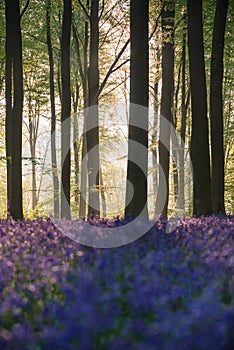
[
  {"x": 53, "y": 114},
  {"x": 136, "y": 205},
  {"x": 168, "y": 14},
  {"x": 66, "y": 110},
  {"x": 216, "y": 107},
  {"x": 199, "y": 139},
  {"x": 154, "y": 138},
  {"x": 92, "y": 134},
  {"x": 14, "y": 108},
  {"x": 83, "y": 70},
  {"x": 181, "y": 200},
  {"x": 75, "y": 98}
]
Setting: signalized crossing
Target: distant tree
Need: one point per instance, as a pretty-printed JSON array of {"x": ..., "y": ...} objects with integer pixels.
[
  {"x": 87, "y": 53},
  {"x": 168, "y": 14},
  {"x": 53, "y": 111},
  {"x": 14, "y": 107},
  {"x": 184, "y": 107},
  {"x": 66, "y": 109},
  {"x": 139, "y": 81},
  {"x": 200, "y": 156},
  {"x": 216, "y": 107}
]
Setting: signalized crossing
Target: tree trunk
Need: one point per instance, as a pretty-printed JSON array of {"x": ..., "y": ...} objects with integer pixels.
[
  {"x": 168, "y": 14},
  {"x": 32, "y": 142},
  {"x": 154, "y": 139},
  {"x": 14, "y": 108},
  {"x": 102, "y": 192},
  {"x": 199, "y": 139},
  {"x": 136, "y": 205},
  {"x": 92, "y": 133},
  {"x": 76, "y": 142},
  {"x": 181, "y": 200},
  {"x": 83, "y": 70},
  {"x": 53, "y": 114},
  {"x": 216, "y": 107},
  {"x": 66, "y": 110}
]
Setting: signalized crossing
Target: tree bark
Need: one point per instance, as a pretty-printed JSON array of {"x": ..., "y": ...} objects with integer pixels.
[
  {"x": 200, "y": 156},
  {"x": 92, "y": 132},
  {"x": 14, "y": 108},
  {"x": 154, "y": 138},
  {"x": 75, "y": 98},
  {"x": 66, "y": 110},
  {"x": 33, "y": 133},
  {"x": 216, "y": 107},
  {"x": 168, "y": 14},
  {"x": 53, "y": 114},
  {"x": 136, "y": 205},
  {"x": 84, "y": 78},
  {"x": 181, "y": 198}
]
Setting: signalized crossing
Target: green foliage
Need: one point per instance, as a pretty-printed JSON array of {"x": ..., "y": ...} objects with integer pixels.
[{"x": 114, "y": 32}]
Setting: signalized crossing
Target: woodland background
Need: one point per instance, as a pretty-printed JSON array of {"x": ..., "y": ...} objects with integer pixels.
[{"x": 76, "y": 54}]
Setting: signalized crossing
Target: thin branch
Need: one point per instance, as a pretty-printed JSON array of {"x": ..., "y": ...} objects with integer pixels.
[
  {"x": 111, "y": 69},
  {"x": 25, "y": 8},
  {"x": 115, "y": 87},
  {"x": 102, "y": 10},
  {"x": 119, "y": 66},
  {"x": 84, "y": 9},
  {"x": 156, "y": 23},
  {"x": 108, "y": 13}
]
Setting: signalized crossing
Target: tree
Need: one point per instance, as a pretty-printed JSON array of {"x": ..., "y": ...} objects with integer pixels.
[
  {"x": 66, "y": 109},
  {"x": 107, "y": 17},
  {"x": 184, "y": 106},
  {"x": 53, "y": 112},
  {"x": 216, "y": 107},
  {"x": 14, "y": 107},
  {"x": 200, "y": 156},
  {"x": 92, "y": 134},
  {"x": 138, "y": 118},
  {"x": 168, "y": 14},
  {"x": 83, "y": 72}
]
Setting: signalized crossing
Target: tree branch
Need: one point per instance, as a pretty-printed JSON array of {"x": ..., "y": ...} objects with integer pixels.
[
  {"x": 78, "y": 51},
  {"x": 111, "y": 69},
  {"x": 25, "y": 8},
  {"x": 120, "y": 65},
  {"x": 102, "y": 10},
  {"x": 156, "y": 23},
  {"x": 84, "y": 9},
  {"x": 115, "y": 87}
]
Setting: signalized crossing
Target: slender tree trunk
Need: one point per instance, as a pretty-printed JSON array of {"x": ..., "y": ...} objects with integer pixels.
[
  {"x": 168, "y": 14},
  {"x": 32, "y": 142},
  {"x": 136, "y": 204},
  {"x": 175, "y": 119},
  {"x": 14, "y": 108},
  {"x": 102, "y": 192},
  {"x": 175, "y": 176},
  {"x": 154, "y": 138},
  {"x": 53, "y": 114},
  {"x": 199, "y": 139},
  {"x": 66, "y": 110},
  {"x": 83, "y": 70},
  {"x": 216, "y": 107},
  {"x": 181, "y": 200},
  {"x": 92, "y": 133},
  {"x": 76, "y": 142}
]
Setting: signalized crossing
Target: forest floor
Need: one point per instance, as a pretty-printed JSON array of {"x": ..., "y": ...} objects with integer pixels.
[{"x": 166, "y": 291}]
